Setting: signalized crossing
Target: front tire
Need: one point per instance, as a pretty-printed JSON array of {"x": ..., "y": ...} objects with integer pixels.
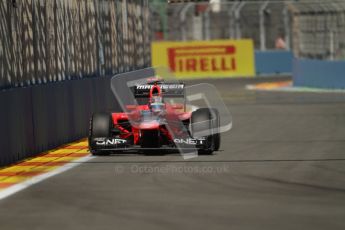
[
  {"x": 216, "y": 135},
  {"x": 101, "y": 125},
  {"x": 202, "y": 122}
]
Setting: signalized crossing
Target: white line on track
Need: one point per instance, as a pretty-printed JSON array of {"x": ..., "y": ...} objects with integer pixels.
[{"x": 27, "y": 183}]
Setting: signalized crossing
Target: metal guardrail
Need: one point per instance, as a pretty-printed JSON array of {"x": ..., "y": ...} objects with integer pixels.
[
  {"x": 312, "y": 29},
  {"x": 46, "y": 41}
]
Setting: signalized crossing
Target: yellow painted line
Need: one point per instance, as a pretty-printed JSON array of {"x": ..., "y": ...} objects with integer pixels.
[
  {"x": 12, "y": 179},
  {"x": 41, "y": 164},
  {"x": 81, "y": 144},
  {"x": 84, "y": 151},
  {"x": 63, "y": 151}
]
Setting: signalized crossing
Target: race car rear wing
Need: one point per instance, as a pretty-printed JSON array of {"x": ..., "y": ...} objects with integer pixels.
[{"x": 167, "y": 89}]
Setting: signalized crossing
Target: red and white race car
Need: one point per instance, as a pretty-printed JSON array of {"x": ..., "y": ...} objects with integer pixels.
[{"x": 155, "y": 124}]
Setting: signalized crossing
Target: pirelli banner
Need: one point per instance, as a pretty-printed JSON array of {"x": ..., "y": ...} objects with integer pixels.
[{"x": 217, "y": 58}]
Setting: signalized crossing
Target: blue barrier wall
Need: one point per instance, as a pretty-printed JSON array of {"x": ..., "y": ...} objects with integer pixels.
[
  {"x": 273, "y": 62},
  {"x": 319, "y": 74}
]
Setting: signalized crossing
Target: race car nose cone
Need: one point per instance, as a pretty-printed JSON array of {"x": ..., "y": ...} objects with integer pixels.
[{"x": 149, "y": 125}]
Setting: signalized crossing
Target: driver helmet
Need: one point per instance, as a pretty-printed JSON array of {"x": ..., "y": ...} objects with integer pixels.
[{"x": 157, "y": 104}]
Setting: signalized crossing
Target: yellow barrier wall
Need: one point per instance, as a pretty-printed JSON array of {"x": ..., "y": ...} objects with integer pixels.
[{"x": 217, "y": 58}]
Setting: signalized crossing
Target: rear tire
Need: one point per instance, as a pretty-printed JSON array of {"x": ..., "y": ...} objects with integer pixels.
[{"x": 101, "y": 125}]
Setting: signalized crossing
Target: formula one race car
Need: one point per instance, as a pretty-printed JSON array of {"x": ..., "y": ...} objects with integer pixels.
[{"x": 155, "y": 124}]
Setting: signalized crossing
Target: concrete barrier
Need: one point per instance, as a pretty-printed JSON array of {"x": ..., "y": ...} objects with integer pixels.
[
  {"x": 319, "y": 74},
  {"x": 273, "y": 62},
  {"x": 42, "y": 117}
]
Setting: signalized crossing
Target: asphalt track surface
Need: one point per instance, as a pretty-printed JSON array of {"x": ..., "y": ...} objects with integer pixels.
[{"x": 282, "y": 166}]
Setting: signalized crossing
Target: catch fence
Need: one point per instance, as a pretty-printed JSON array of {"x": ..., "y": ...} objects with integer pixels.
[
  {"x": 312, "y": 29},
  {"x": 45, "y": 41}
]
